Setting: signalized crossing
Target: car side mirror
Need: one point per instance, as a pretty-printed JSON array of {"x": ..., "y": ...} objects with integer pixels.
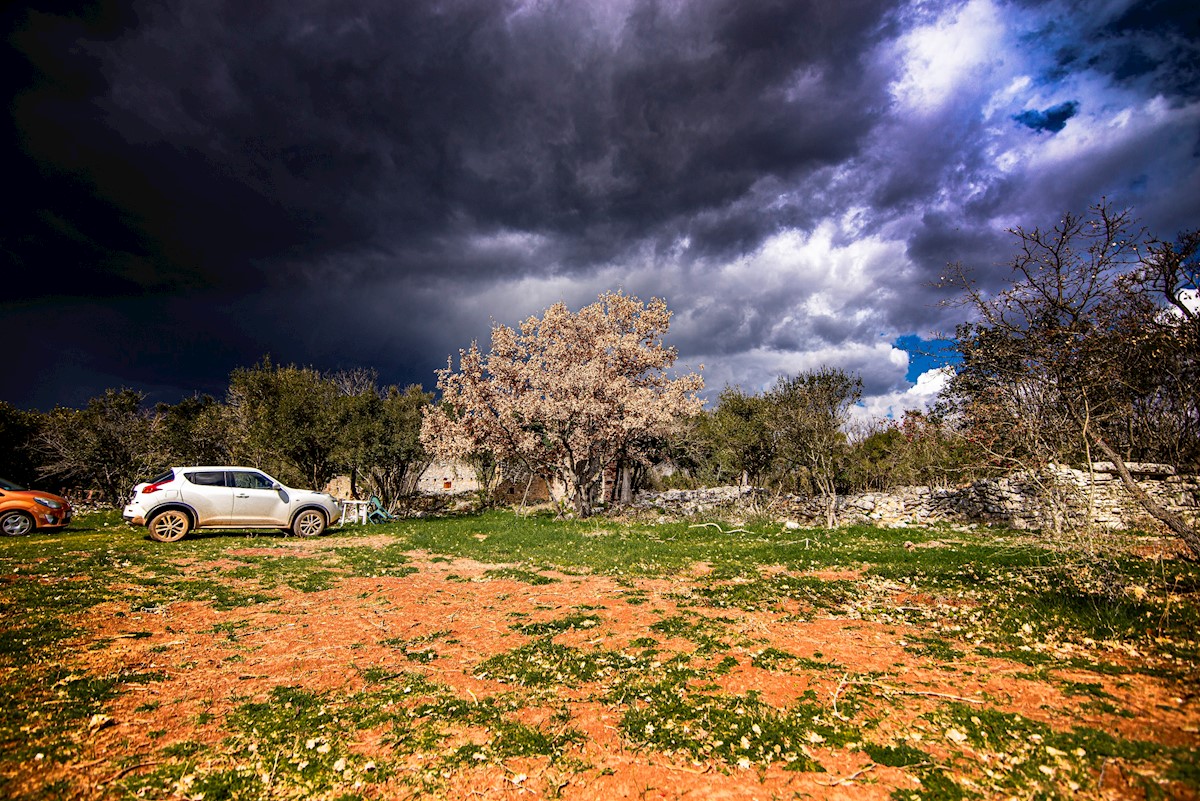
[{"x": 277, "y": 486}]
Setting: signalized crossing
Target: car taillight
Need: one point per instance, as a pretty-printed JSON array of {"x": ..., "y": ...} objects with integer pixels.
[{"x": 153, "y": 487}]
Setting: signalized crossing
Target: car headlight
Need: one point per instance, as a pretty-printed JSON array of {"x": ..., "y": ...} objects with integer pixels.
[{"x": 48, "y": 502}]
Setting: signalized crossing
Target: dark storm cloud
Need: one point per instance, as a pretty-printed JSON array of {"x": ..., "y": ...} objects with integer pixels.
[
  {"x": 214, "y": 146},
  {"x": 370, "y": 183}
]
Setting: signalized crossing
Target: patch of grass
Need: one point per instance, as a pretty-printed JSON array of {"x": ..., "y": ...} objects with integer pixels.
[
  {"x": 740, "y": 730},
  {"x": 544, "y": 663},
  {"x": 418, "y": 648},
  {"x": 767, "y": 593},
  {"x": 818, "y": 664},
  {"x": 935, "y": 647},
  {"x": 552, "y": 627},
  {"x": 302, "y": 574},
  {"x": 293, "y": 744},
  {"x": 772, "y": 659},
  {"x": 183, "y": 749},
  {"x": 701, "y": 630},
  {"x": 1090, "y": 688},
  {"x": 1025, "y": 656},
  {"x": 519, "y": 574},
  {"x": 1095, "y": 666},
  {"x": 901, "y": 755},
  {"x": 936, "y": 785},
  {"x": 370, "y": 562},
  {"x": 1100, "y": 707},
  {"x": 214, "y": 591},
  {"x": 508, "y": 739},
  {"x": 635, "y": 597},
  {"x": 1035, "y": 759},
  {"x": 64, "y": 701}
]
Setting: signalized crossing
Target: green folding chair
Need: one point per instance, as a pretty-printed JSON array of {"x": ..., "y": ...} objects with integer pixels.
[{"x": 377, "y": 514}]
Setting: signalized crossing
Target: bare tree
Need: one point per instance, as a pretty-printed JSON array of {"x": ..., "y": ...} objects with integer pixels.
[
  {"x": 1089, "y": 345},
  {"x": 567, "y": 394}
]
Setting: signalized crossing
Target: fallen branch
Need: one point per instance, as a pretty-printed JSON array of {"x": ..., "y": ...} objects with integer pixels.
[
  {"x": 129, "y": 769},
  {"x": 723, "y": 531},
  {"x": 847, "y": 779},
  {"x": 841, "y": 686},
  {"x": 898, "y": 691}
]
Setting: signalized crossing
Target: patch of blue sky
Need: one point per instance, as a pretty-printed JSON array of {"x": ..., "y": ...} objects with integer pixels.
[
  {"x": 1052, "y": 119},
  {"x": 926, "y": 354}
]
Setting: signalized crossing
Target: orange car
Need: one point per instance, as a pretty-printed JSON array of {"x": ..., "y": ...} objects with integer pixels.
[{"x": 22, "y": 510}]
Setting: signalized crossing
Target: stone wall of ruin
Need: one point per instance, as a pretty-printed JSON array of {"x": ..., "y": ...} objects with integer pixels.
[{"x": 1059, "y": 496}]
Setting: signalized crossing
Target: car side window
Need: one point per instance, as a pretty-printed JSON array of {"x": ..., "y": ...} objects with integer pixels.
[
  {"x": 207, "y": 478},
  {"x": 244, "y": 480},
  {"x": 167, "y": 476}
]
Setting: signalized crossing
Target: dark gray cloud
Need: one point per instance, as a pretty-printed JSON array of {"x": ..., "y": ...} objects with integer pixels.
[{"x": 371, "y": 182}]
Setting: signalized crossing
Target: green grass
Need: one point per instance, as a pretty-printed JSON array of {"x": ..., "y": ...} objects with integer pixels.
[
  {"x": 1032, "y": 759},
  {"x": 545, "y": 663},
  {"x": 519, "y": 574},
  {"x": 736, "y": 729},
  {"x": 577, "y": 620}
]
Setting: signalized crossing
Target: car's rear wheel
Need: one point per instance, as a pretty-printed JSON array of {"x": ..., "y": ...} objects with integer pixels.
[
  {"x": 169, "y": 526},
  {"x": 15, "y": 524},
  {"x": 309, "y": 523}
]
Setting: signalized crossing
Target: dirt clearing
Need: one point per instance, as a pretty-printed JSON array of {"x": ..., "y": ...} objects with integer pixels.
[{"x": 458, "y": 681}]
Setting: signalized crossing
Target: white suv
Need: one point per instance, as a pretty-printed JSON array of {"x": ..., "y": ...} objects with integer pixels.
[{"x": 187, "y": 498}]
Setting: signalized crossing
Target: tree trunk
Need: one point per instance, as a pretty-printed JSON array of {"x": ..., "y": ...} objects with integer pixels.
[
  {"x": 582, "y": 481},
  {"x": 1171, "y": 520},
  {"x": 583, "y": 507},
  {"x": 626, "y": 484}
]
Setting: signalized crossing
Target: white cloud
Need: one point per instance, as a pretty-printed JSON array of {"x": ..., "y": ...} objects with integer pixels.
[
  {"x": 941, "y": 57},
  {"x": 920, "y": 396}
]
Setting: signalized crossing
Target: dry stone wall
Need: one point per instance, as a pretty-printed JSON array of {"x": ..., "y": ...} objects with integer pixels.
[{"x": 1060, "y": 496}]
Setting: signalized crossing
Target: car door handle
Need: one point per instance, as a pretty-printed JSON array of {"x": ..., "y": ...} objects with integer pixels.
[{"x": 242, "y": 495}]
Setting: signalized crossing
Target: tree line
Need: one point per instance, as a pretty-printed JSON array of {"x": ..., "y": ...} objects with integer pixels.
[
  {"x": 1090, "y": 351},
  {"x": 300, "y": 425}
]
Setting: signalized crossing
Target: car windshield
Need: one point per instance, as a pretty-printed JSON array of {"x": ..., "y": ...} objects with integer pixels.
[{"x": 5, "y": 484}]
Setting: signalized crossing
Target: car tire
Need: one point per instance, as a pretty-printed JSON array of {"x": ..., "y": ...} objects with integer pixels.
[
  {"x": 169, "y": 526},
  {"x": 309, "y": 523},
  {"x": 15, "y": 524}
]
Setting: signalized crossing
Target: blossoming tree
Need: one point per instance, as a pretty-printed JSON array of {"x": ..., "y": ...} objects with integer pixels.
[{"x": 567, "y": 394}]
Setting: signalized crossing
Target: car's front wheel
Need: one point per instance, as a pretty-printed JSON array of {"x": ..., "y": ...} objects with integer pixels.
[
  {"x": 309, "y": 523},
  {"x": 15, "y": 524},
  {"x": 169, "y": 526}
]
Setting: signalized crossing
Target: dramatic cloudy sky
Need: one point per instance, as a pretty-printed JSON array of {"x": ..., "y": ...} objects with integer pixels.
[{"x": 341, "y": 183}]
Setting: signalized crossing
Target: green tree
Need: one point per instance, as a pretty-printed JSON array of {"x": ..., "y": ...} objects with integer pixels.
[
  {"x": 192, "y": 432},
  {"x": 286, "y": 420},
  {"x": 395, "y": 458},
  {"x": 18, "y": 437},
  {"x": 808, "y": 415},
  {"x": 740, "y": 442},
  {"x": 875, "y": 462},
  {"x": 105, "y": 446},
  {"x": 380, "y": 442}
]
